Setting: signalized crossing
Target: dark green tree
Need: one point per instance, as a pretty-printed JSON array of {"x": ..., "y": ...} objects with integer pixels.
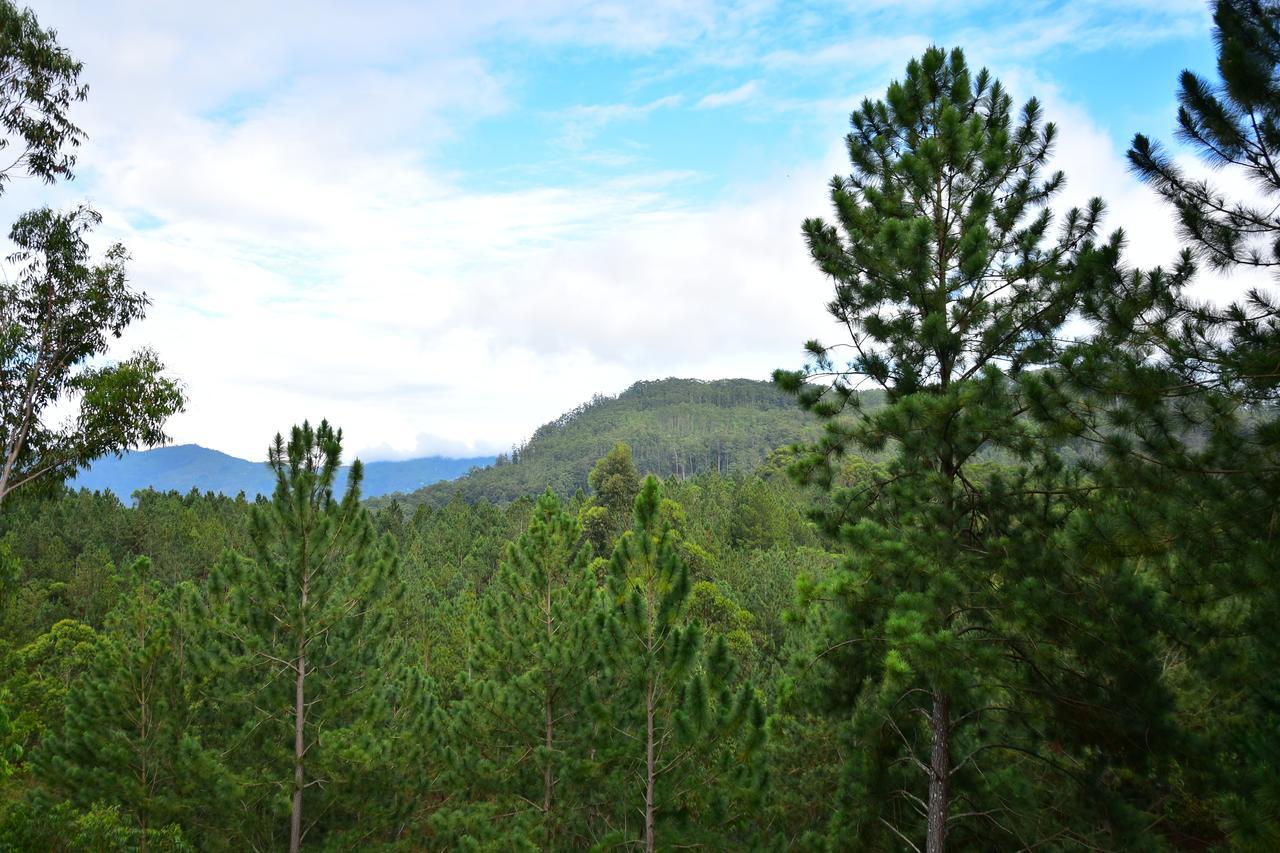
[
  {"x": 614, "y": 481},
  {"x": 325, "y": 707},
  {"x": 1179, "y": 396},
  {"x": 679, "y": 737},
  {"x": 521, "y": 733},
  {"x": 614, "y": 485},
  {"x": 958, "y": 623}
]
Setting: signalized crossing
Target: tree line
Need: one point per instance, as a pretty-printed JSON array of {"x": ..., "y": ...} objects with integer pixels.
[{"x": 680, "y": 427}]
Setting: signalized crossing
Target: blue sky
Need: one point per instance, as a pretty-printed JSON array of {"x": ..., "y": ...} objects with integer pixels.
[{"x": 442, "y": 224}]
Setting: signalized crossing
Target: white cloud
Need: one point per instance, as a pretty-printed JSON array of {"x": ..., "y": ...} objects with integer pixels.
[
  {"x": 740, "y": 95},
  {"x": 1096, "y": 166},
  {"x": 582, "y": 123},
  {"x": 274, "y": 170}
]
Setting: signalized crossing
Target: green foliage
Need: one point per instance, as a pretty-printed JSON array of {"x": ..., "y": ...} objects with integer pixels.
[
  {"x": 960, "y": 634},
  {"x": 672, "y": 705},
  {"x": 39, "y": 81},
  {"x": 614, "y": 484},
  {"x": 614, "y": 480},
  {"x": 1035, "y": 605},
  {"x": 59, "y": 310},
  {"x": 129, "y": 736},
  {"x": 520, "y": 734},
  {"x": 1179, "y": 396},
  {"x": 38, "y": 676},
  {"x": 1230, "y": 122},
  {"x": 41, "y": 824},
  {"x": 323, "y": 698},
  {"x": 673, "y": 427}
]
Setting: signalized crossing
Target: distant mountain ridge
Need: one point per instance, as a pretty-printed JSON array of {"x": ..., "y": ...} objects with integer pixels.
[
  {"x": 680, "y": 427},
  {"x": 189, "y": 466}
]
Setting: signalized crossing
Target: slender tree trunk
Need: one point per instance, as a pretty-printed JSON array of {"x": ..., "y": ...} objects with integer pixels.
[
  {"x": 18, "y": 437},
  {"x": 6, "y": 471},
  {"x": 649, "y": 770},
  {"x": 295, "y": 818},
  {"x": 299, "y": 716},
  {"x": 144, "y": 741},
  {"x": 548, "y": 780},
  {"x": 939, "y": 774}
]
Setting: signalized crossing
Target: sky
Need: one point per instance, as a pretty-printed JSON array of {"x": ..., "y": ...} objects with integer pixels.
[{"x": 441, "y": 224}]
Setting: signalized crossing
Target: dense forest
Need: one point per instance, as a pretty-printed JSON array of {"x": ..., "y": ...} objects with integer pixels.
[
  {"x": 674, "y": 427},
  {"x": 966, "y": 579}
]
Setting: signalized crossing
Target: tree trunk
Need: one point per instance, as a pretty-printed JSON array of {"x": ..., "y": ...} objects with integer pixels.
[
  {"x": 548, "y": 780},
  {"x": 939, "y": 774},
  {"x": 649, "y": 768},
  {"x": 299, "y": 709},
  {"x": 299, "y": 716}
]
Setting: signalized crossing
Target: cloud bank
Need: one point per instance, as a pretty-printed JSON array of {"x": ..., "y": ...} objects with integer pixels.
[{"x": 441, "y": 225}]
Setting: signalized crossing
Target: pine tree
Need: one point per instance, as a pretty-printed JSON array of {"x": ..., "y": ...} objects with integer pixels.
[
  {"x": 684, "y": 735},
  {"x": 323, "y": 707},
  {"x": 959, "y": 641},
  {"x": 127, "y": 739},
  {"x": 1180, "y": 397},
  {"x": 1231, "y": 123},
  {"x": 521, "y": 729}
]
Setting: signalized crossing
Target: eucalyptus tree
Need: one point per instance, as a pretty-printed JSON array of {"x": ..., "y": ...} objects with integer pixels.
[
  {"x": 39, "y": 81},
  {"x": 59, "y": 310}
]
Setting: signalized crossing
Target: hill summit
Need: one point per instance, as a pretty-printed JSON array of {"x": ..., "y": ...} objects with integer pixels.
[{"x": 679, "y": 427}]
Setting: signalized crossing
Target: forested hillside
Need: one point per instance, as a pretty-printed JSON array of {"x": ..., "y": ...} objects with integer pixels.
[{"x": 674, "y": 427}]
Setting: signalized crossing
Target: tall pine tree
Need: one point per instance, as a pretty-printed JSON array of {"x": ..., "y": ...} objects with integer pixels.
[
  {"x": 676, "y": 738},
  {"x": 322, "y": 704},
  {"x": 1180, "y": 397},
  {"x": 520, "y": 733},
  {"x": 958, "y": 622}
]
